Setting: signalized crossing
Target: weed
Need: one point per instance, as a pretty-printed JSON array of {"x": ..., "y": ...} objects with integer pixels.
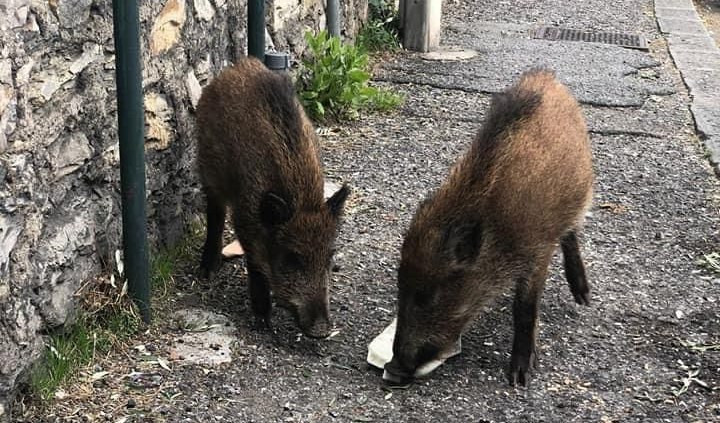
[
  {"x": 710, "y": 261},
  {"x": 164, "y": 262},
  {"x": 381, "y": 31},
  {"x": 107, "y": 318},
  {"x": 334, "y": 80},
  {"x": 65, "y": 353}
]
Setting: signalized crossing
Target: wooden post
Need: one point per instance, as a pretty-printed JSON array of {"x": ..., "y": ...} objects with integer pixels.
[{"x": 420, "y": 24}]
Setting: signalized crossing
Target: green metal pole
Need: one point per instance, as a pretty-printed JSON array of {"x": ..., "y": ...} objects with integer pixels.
[
  {"x": 332, "y": 12},
  {"x": 256, "y": 29},
  {"x": 132, "y": 150}
]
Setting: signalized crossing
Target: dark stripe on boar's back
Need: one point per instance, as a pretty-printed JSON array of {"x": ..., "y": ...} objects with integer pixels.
[
  {"x": 507, "y": 109},
  {"x": 279, "y": 93}
]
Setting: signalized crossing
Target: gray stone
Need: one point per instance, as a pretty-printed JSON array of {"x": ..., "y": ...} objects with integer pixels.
[
  {"x": 691, "y": 42},
  {"x": 73, "y": 13},
  {"x": 193, "y": 87},
  {"x": 674, "y": 4},
  {"x": 670, "y": 13},
  {"x": 207, "y": 338},
  {"x": 695, "y": 59},
  {"x": 23, "y": 74},
  {"x": 6, "y": 71},
  {"x": 681, "y": 26},
  {"x": 450, "y": 54},
  {"x": 13, "y": 13},
  {"x": 707, "y": 119},
  {"x": 91, "y": 53},
  {"x": 702, "y": 83},
  {"x": 69, "y": 153},
  {"x": 10, "y": 230},
  {"x": 204, "y": 10}
]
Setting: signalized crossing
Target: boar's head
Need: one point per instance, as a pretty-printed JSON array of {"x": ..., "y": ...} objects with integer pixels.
[
  {"x": 300, "y": 249},
  {"x": 440, "y": 289}
]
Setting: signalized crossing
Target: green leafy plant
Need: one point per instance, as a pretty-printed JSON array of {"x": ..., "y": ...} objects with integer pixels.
[
  {"x": 381, "y": 32},
  {"x": 334, "y": 80}
]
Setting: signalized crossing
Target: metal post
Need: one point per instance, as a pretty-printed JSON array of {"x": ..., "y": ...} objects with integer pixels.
[
  {"x": 256, "y": 29},
  {"x": 132, "y": 150},
  {"x": 333, "y": 17}
]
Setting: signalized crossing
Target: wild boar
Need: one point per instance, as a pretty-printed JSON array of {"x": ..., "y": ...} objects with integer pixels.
[
  {"x": 258, "y": 155},
  {"x": 525, "y": 184}
]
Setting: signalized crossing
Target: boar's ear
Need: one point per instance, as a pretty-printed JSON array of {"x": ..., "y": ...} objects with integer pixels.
[
  {"x": 463, "y": 241},
  {"x": 336, "y": 202},
  {"x": 274, "y": 210}
]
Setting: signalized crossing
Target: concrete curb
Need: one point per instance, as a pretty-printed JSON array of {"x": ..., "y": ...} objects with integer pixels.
[{"x": 698, "y": 59}]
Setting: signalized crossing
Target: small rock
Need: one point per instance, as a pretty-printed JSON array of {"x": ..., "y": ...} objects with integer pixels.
[
  {"x": 204, "y": 10},
  {"x": 193, "y": 87},
  {"x": 131, "y": 403},
  {"x": 168, "y": 26}
]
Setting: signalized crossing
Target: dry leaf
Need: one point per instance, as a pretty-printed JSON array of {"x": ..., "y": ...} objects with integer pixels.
[{"x": 234, "y": 249}]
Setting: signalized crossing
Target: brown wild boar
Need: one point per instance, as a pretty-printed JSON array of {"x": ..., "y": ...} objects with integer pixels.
[
  {"x": 525, "y": 184},
  {"x": 258, "y": 155}
]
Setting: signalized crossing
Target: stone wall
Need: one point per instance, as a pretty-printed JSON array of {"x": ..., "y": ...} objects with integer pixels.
[{"x": 59, "y": 165}]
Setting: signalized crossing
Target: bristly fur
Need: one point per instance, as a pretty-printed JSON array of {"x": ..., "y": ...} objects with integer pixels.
[
  {"x": 277, "y": 91},
  {"x": 524, "y": 185},
  {"x": 257, "y": 155}
]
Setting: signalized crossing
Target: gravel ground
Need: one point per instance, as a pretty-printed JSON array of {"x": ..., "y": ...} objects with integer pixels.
[{"x": 653, "y": 306}]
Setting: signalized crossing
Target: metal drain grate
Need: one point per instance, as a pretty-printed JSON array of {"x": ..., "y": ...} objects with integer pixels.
[{"x": 618, "y": 38}]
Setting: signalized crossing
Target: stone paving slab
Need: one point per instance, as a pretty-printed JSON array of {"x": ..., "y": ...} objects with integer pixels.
[{"x": 697, "y": 57}]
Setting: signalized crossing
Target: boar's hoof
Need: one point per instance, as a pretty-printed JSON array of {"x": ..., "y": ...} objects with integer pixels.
[
  {"x": 582, "y": 297},
  {"x": 520, "y": 368},
  {"x": 209, "y": 265},
  {"x": 262, "y": 322}
]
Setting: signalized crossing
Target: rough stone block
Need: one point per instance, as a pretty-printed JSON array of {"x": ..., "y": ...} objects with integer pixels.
[
  {"x": 72, "y": 14},
  {"x": 10, "y": 229},
  {"x": 204, "y": 10},
  {"x": 69, "y": 153},
  {"x": 681, "y": 26},
  {"x": 13, "y": 13},
  {"x": 695, "y": 59},
  {"x": 670, "y": 13},
  {"x": 168, "y": 26},
  {"x": 674, "y": 4},
  {"x": 702, "y": 82},
  {"x": 158, "y": 114},
  {"x": 193, "y": 87},
  {"x": 691, "y": 42}
]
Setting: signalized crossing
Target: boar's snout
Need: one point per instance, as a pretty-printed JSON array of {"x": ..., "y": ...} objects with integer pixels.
[
  {"x": 313, "y": 318},
  {"x": 406, "y": 361},
  {"x": 399, "y": 371}
]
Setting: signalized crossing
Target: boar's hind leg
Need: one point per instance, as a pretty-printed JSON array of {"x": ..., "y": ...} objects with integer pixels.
[
  {"x": 211, "y": 255},
  {"x": 260, "y": 300},
  {"x": 574, "y": 268},
  {"x": 528, "y": 292}
]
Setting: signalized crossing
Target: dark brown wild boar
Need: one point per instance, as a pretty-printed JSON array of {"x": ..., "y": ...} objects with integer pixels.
[
  {"x": 257, "y": 154},
  {"x": 524, "y": 185}
]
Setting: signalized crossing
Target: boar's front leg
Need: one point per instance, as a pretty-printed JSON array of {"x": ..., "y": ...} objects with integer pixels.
[
  {"x": 528, "y": 292},
  {"x": 574, "y": 268},
  {"x": 211, "y": 255},
  {"x": 260, "y": 300}
]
